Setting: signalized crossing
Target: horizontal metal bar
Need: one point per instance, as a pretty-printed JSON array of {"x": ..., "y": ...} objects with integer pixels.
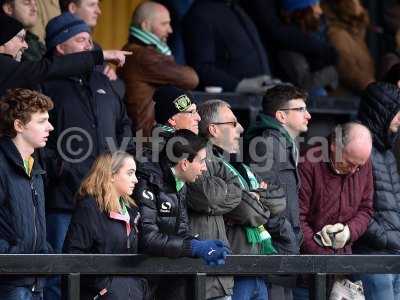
[{"x": 46, "y": 264}]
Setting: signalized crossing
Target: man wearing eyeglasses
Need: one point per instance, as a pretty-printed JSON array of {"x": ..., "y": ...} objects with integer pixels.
[
  {"x": 336, "y": 192},
  {"x": 273, "y": 153},
  {"x": 26, "y": 12},
  {"x": 174, "y": 109},
  {"x": 230, "y": 204}
]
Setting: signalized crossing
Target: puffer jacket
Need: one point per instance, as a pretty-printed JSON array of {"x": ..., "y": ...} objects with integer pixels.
[
  {"x": 164, "y": 225},
  {"x": 380, "y": 103},
  {"x": 22, "y": 218}
]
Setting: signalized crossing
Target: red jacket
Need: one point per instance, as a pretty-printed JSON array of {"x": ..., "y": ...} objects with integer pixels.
[{"x": 328, "y": 198}]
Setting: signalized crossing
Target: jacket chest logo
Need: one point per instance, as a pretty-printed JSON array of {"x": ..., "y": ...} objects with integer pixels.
[
  {"x": 165, "y": 207},
  {"x": 148, "y": 195}
]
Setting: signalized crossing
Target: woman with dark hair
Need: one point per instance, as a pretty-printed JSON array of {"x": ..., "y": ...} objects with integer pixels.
[
  {"x": 105, "y": 222},
  {"x": 348, "y": 22},
  {"x": 309, "y": 72}
]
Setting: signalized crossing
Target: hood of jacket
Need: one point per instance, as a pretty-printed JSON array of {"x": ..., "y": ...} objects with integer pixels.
[{"x": 380, "y": 102}]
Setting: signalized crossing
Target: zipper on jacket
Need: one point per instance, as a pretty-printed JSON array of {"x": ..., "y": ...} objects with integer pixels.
[{"x": 35, "y": 202}]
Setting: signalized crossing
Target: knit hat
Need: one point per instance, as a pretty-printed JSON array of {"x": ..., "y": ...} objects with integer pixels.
[
  {"x": 9, "y": 28},
  {"x": 170, "y": 101},
  {"x": 293, "y": 5},
  {"x": 62, "y": 28}
]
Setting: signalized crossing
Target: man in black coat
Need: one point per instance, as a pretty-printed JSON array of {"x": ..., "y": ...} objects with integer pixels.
[
  {"x": 16, "y": 74},
  {"x": 24, "y": 127},
  {"x": 89, "y": 118},
  {"x": 380, "y": 112}
]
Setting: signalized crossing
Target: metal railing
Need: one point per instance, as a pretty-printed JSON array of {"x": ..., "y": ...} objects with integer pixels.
[{"x": 244, "y": 265}]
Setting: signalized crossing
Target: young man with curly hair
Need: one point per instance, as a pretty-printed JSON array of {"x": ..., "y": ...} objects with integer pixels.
[{"x": 25, "y": 127}]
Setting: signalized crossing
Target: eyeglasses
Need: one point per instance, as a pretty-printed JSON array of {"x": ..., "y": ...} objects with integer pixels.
[
  {"x": 21, "y": 37},
  {"x": 302, "y": 109},
  {"x": 191, "y": 112},
  {"x": 233, "y": 123}
]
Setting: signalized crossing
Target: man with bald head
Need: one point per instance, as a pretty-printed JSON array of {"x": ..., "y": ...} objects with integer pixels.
[
  {"x": 151, "y": 65},
  {"x": 336, "y": 191}
]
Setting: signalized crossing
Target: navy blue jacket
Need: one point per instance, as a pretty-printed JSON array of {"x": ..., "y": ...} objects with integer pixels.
[
  {"x": 89, "y": 118},
  {"x": 222, "y": 44},
  {"x": 22, "y": 218}
]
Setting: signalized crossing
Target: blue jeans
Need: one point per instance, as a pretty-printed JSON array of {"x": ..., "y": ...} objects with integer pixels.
[
  {"x": 249, "y": 288},
  {"x": 57, "y": 226},
  {"x": 380, "y": 286},
  {"x": 19, "y": 293}
]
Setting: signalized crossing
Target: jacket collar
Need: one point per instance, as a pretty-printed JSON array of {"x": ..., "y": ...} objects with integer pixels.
[{"x": 11, "y": 152}]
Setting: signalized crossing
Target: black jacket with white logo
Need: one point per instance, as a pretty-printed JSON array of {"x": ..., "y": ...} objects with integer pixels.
[{"x": 164, "y": 229}]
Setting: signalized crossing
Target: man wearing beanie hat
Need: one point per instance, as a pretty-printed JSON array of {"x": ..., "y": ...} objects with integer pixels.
[
  {"x": 12, "y": 38},
  {"x": 63, "y": 28},
  {"x": 88, "y": 102},
  {"x": 25, "y": 12},
  {"x": 29, "y": 75},
  {"x": 176, "y": 109}
]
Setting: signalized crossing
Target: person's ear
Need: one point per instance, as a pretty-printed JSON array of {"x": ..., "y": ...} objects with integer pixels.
[
  {"x": 145, "y": 25},
  {"x": 212, "y": 130},
  {"x": 172, "y": 122},
  {"x": 72, "y": 7},
  {"x": 184, "y": 164},
  {"x": 281, "y": 116},
  {"x": 19, "y": 126},
  {"x": 60, "y": 49}
]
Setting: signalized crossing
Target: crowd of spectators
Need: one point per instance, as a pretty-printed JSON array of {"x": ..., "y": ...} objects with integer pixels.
[{"x": 109, "y": 151}]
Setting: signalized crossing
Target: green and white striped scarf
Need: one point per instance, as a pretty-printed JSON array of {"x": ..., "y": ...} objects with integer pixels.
[{"x": 150, "y": 39}]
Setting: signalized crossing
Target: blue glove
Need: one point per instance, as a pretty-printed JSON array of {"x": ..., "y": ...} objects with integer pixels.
[{"x": 213, "y": 252}]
